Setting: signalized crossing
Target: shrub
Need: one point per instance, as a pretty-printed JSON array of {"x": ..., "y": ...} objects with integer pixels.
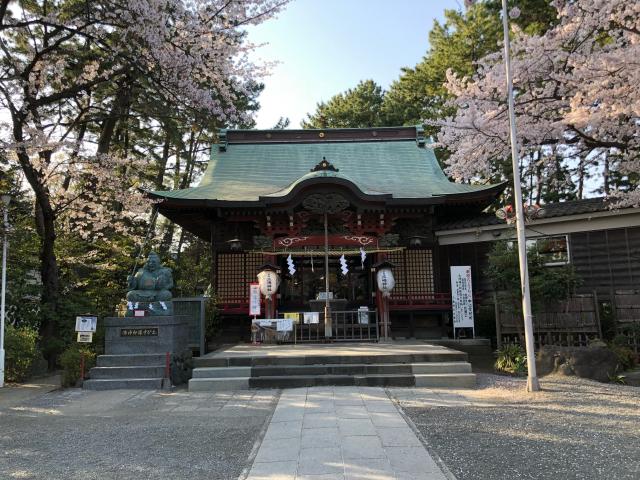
[
  {"x": 512, "y": 359},
  {"x": 70, "y": 363},
  {"x": 20, "y": 352},
  {"x": 626, "y": 357}
]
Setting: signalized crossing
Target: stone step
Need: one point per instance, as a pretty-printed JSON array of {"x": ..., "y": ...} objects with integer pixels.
[
  {"x": 361, "y": 369},
  {"x": 443, "y": 356},
  {"x": 221, "y": 372},
  {"x": 127, "y": 383},
  {"x": 297, "y": 381},
  {"x": 441, "y": 367},
  {"x": 135, "y": 360},
  {"x": 115, "y": 373},
  {"x": 218, "y": 384},
  {"x": 434, "y": 380},
  {"x": 446, "y": 380}
]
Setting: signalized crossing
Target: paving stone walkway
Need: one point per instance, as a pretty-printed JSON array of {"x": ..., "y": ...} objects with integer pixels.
[{"x": 341, "y": 433}]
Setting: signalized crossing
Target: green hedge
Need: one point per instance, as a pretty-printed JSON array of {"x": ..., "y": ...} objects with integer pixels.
[
  {"x": 70, "y": 363},
  {"x": 21, "y": 351}
]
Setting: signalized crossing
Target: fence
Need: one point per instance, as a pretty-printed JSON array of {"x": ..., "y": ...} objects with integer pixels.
[
  {"x": 347, "y": 326},
  {"x": 626, "y": 311},
  {"x": 194, "y": 308},
  {"x": 572, "y": 322}
]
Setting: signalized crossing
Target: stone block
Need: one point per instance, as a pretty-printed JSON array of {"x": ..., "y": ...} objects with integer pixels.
[{"x": 135, "y": 335}]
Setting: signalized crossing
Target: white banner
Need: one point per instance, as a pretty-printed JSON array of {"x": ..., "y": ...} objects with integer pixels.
[
  {"x": 254, "y": 299},
  {"x": 462, "y": 297}
]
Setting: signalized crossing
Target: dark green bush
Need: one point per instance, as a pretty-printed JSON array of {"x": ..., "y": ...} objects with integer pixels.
[
  {"x": 511, "y": 359},
  {"x": 70, "y": 363},
  {"x": 626, "y": 356},
  {"x": 20, "y": 352}
]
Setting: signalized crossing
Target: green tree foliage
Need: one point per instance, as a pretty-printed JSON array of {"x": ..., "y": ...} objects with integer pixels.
[
  {"x": 548, "y": 284},
  {"x": 21, "y": 351},
  {"x": 358, "y": 107},
  {"x": 464, "y": 37}
]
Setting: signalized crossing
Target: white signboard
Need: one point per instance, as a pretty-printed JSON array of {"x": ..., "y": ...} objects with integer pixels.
[
  {"x": 284, "y": 325},
  {"x": 363, "y": 315},
  {"x": 254, "y": 299},
  {"x": 85, "y": 337},
  {"x": 311, "y": 317},
  {"x": 86, "y": 324},
  {"x": 461, "y": 297}
]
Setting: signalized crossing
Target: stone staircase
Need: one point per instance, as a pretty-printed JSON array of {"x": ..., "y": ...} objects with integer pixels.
[
  {"x": 447, "y": 368},
  {"x": 140, "y": 371}
]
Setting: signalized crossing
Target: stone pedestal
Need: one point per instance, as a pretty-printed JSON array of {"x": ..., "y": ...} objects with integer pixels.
[{"x": 146, "y": 335}]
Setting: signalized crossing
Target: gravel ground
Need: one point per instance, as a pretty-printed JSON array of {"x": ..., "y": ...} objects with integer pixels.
[
  {"x": 573, "y": 429},
  {"x": 74, "y": 434}
]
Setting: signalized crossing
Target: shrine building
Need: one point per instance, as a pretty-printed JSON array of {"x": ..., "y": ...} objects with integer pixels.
[{"x": 361, "y": 196}]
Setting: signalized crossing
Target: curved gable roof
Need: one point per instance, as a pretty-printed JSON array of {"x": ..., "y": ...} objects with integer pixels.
[{"x": 401, "y": 168}]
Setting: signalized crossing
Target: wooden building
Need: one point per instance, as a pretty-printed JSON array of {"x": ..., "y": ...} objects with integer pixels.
[{"x": 265, "y": 195}]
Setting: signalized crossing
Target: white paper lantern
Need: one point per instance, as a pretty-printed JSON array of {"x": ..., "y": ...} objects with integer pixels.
[
  {"x": 386, "y": 282},
  {"x": 269, "y": 282}
]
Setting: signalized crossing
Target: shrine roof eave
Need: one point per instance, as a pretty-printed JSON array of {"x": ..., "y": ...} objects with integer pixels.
[{"x": 484, "y": 196}]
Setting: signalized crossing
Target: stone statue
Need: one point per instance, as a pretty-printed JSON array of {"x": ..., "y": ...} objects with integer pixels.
[{"x": 149, "y": 288}]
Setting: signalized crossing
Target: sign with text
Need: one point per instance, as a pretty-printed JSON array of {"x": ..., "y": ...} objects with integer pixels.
[
  {"x": 461, "y": 297},
  {"x": 85, "y": 337},
  {"x": 139, "y": 332},
  {"x": 311, "y": 317},
  {"x": 86, "y": 323},
  {"x": 254, "y": 299},
  {"x": 284, "y": 325}
]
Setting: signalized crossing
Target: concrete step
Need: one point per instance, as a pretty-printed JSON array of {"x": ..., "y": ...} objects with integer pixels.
[
  {"x": 441, "y": 367},
  {"x": 137, "y": 360},
  {"x": 127, "y": 383},
  {"x": 297, "y": 381},
  {"x": 221, "y": 372},
  {"x": 115, "y": 373},
  {"x": 218, "y": 384},
  {"x": 446, "y": 380},
  {"x": 361, "y": 369},
  {"x": 348, "y": 369},
  {"x": 444, "y": 356}
]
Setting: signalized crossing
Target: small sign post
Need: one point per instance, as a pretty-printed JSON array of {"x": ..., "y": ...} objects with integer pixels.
[
  {"x": 462, "y": 298},
  {"x": 86, "y": 323},
  {"x": 85, "y": 337},
  {"x": 254, "y": 308}
]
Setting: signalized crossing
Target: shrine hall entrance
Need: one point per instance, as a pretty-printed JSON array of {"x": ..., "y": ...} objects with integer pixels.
[{"x": 351, "y": 298}]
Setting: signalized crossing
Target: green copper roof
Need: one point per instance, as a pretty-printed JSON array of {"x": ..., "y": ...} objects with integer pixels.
[{"x": 247, "y": 171}]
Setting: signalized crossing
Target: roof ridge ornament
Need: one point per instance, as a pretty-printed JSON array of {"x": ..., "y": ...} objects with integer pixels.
[
  {"x": 323, "y": 166},
  {"x": 420, "y": 140},
  {"x": 222, "y": 140}
]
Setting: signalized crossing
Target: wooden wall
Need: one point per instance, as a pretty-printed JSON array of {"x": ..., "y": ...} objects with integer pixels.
[{"x": 606, "y": 260}]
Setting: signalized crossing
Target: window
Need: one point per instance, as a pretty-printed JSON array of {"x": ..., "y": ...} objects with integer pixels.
[{"x": 553, "y": 250}]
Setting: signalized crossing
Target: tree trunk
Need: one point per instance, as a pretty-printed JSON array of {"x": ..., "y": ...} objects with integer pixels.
[
  {"x": 45, "y": 227},
  {"x": 119, "y": 108}
]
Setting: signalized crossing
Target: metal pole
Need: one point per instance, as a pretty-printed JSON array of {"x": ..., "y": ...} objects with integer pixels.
[
  {"x": 4, "y": 289},
  {"x": 532, "y": 380},
  {"x": 327, "y": 309}
]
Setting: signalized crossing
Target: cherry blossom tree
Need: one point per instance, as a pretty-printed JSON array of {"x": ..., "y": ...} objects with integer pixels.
[
  {"x": 71, "y": 69},
  {"x": 577, "y": 90}
]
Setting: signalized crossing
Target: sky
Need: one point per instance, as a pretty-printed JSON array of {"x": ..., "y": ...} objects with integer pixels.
[{"x": 325, "y": 47}]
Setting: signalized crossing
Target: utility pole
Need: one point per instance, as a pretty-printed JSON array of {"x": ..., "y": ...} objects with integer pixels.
[
  {"x": 532, "y": 380},
  {"x": 6, "y": 199}
]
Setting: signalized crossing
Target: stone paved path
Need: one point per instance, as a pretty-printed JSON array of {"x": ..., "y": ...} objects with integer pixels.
[{"x": 341, "y": 433}]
